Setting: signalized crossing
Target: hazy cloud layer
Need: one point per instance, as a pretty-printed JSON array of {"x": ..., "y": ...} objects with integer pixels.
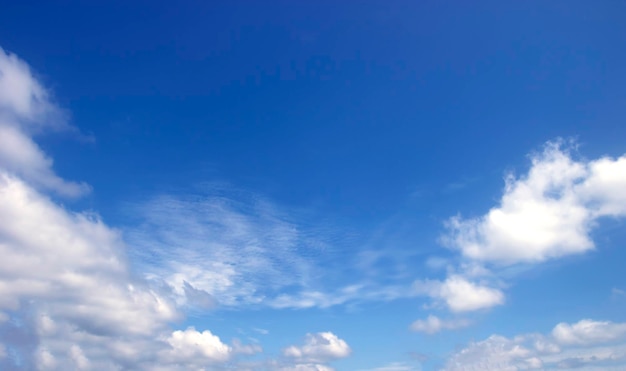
[
  {"x": 433, "y": 324},
  {"x": 585, "y": 345}
]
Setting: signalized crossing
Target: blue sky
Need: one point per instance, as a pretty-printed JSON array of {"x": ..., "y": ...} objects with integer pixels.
[{"x": 312, "y": 186}]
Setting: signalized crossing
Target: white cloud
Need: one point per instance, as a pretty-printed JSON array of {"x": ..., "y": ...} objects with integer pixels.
[
  {"x": 586, "y": 345},
  {"x": 459, "y": 294},
  {"x": 433, "y": 324},
  {"x": 191, "y": 347},
  {"x": 68, "y": 299},
  {"x": 235, "y": 252},
  {"x": 350, "y": 293},
  {"x": 25, "y": 108},
  {"x": 395, "y": 366},
  {"x": 548, "y": 213},
  {"x": 321, "y": 347},
  {"x": 214, "y": 249},
  {"x": 494, "y": 353},
  {"x": 68, "y": 287},
  {"x": 587, "y": 331},
  {"x": 82, "y": 256},
  {"x": 305, "y": 367},
  {"x": 23, "y": 98}
]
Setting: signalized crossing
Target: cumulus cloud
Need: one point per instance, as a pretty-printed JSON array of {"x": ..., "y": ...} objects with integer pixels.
[
  {"x": 548, "y": 213},
  {"x": 433, "y": 324},
  {"x": 584, "y": 345},
  {"x": 68, "y": 286},
  {"x": 318, "y": 349},
  {"x": 588, "y": 332},
  {"x": 68, "y": 299},
  {"x": 460, "y": 294},
  {"x": 191, "y": 348},
  {"x": 25, "y": 108}
]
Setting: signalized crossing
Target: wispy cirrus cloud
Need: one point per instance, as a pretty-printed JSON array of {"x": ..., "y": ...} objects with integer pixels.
[
  {"x": 233, "y": 248},
  {"x": 238, "y": 253}
]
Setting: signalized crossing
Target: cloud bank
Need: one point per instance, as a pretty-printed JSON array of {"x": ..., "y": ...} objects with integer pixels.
[
  {"x": 585, "y": 345},
  {"x": 68, "y": 299}
]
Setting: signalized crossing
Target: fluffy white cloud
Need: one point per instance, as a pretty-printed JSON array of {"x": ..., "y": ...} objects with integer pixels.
[
  {"x": 588, "y": 331},
  {"x": 321, "y": 347},
  {"x": 65, "y": 285},
  {"x": 23, "y": 99},
  {"x": 433, "y": 324},
  {"x": 24, "y": 109},
  {"x": 548, "y": 213},
  {"x": 584, "y": 345},
  {"x": 68, "y": 299},
  {"x": 459, "y": 294},
  {"x": 190, "y": 345}
]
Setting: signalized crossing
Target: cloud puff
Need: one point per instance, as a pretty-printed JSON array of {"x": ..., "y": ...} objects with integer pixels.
[
  {"x": 588, "y": 332},
  {"x": 548, "y": 213},
  {"x": 25, "y": 108},
  {"x": 586, "y": 344},
  {"x": 318, "y": 349},
  {"x": 433, "y": 324},
  {"x": 191, "y": 347},
  {"x": 460, "y": 294}
]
